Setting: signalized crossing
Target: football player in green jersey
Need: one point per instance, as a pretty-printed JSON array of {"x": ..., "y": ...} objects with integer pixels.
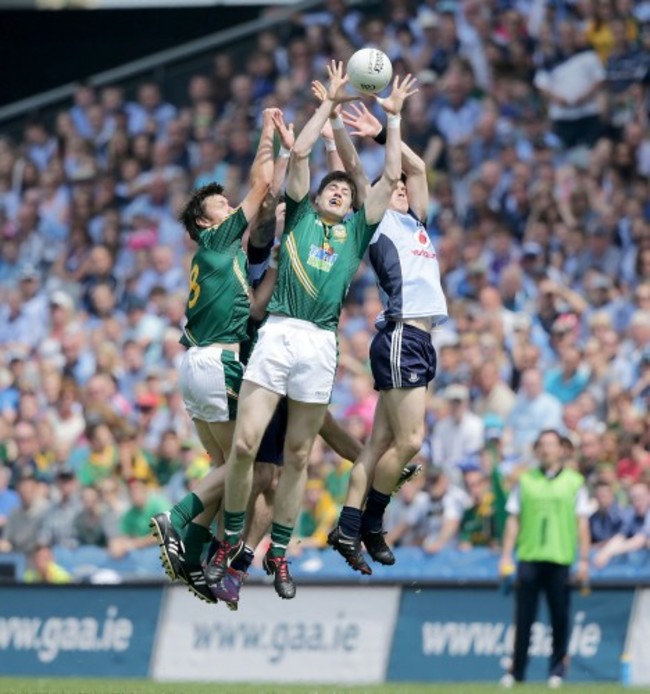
[
  {"x": 210, "y": 374},
  {"x": 296, "y": 353}
]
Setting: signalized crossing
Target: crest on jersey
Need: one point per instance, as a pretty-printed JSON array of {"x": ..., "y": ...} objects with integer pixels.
[
  {"x": 339, "y": 232},
  {"x": 421, "y": 237}
]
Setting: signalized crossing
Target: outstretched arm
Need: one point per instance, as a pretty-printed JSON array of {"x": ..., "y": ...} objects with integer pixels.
[
  {"x": 364, "y": 123},
  {"x": 262, "y": 168},
  {"x": 263, "y": 227},
  {"x": 298, "y": 176},
  {"x": 334, "y": 162},
  {"x": 380, "y": 193},
  {"x": 345, "y": 148}
]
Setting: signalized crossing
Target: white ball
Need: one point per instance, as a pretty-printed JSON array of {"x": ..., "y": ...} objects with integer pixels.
[{"x": 370, "y": 70}]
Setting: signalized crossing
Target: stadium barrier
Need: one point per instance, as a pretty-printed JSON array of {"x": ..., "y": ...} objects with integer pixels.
[{"x": 329, "y": 633}]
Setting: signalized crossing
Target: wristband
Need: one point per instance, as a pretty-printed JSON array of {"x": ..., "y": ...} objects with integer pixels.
[
  {"x": 330, "y": 145},
  {"x": 380, "y": 137},
  {"x": 284, "y": 152},
  {"x": 337, "y": 123},
  {"x": 273, "y": 263},
  {"x": 394, "y": 121}
]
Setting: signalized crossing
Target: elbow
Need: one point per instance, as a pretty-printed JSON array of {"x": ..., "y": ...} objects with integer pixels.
[
  {"x": 418, "y": 168},
  {"x": 392, "y": 177},
  {"x": 300, "y": 151}
]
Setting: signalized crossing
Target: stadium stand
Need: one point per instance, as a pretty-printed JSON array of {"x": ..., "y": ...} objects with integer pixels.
[{"x": 533, "y": 120}]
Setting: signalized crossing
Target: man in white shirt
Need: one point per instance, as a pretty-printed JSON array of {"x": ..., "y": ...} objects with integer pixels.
[{"x": 570, "y": 83}]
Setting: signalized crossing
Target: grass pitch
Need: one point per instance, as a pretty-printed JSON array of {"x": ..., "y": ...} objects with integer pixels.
[{"x": 96, "y": 686}]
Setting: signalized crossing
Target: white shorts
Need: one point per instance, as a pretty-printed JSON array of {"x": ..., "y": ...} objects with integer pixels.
[
  {"x": 210, "y": 379},
  {"x": 295, "y": 358}
]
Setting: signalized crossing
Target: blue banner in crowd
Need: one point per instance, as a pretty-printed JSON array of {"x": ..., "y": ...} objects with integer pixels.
[
  {"x": 467, "y": 635},
  {"x": 93, "y": 632}
]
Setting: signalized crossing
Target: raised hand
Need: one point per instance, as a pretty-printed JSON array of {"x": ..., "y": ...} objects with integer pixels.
[
  {"x": 338, "y": 79},
  {"x": 285, "y": 132},
  {"x": 401, "y": 91},
  {"x": 319, "y": 90},
  {"x": 269, "y": 115},
  {"x": 361, "y": 120}
]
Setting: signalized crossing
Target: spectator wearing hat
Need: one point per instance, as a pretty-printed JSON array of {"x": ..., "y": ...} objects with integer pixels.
[
  {"x": 43, "y": 568},
  {"x": 534, "y": 411},
  {"x": 134, "y": 531},
  {"x": 458, "y": 434},
  {"x": 61, "y": 313},
  {"x": 79, "y": 361},
  {"x": 634, "y": 535},
  {"x": 23, "y": 525}
]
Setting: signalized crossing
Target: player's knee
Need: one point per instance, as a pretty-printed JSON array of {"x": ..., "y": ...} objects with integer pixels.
[
  {"x": 410, "y": 445},
  {"x": 245, "y": 449},
  {"x": 296, "y": 453}
]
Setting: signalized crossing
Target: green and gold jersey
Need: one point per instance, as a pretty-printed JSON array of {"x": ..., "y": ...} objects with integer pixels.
[
  {"x": 317, "y": 264},
  {"x": 218, "y": 304}
]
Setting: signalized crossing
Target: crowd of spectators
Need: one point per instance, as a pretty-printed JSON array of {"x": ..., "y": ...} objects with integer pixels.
[{"x": 532, "y": 117}]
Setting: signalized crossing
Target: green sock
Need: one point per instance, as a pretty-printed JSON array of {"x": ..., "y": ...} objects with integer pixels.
[
  {"x": 233, "y": 524},
  {"x": 280, "y": 538},
  {"x": 185, "y": 511},
  {"x": 195, "y": 537}
]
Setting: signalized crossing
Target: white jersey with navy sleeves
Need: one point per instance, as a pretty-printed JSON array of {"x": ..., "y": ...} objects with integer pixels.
[{"x": 407, "y": 269}]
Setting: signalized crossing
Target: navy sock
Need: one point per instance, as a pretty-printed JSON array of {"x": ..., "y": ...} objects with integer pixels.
[
  {"x": 350, "y": 521},
  {"x": 244, "y": 560},
  {"x": 373, "y": 515}
]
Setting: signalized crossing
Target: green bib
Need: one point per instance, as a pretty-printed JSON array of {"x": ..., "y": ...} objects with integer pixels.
[{"x": 547, "y": 519}]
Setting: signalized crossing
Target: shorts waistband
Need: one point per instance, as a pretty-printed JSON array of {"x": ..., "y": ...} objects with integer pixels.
[
  {"x": 277, "y": 319},
  {"x": 222, "y": 349},
  {"x": 407, "y": 327}
]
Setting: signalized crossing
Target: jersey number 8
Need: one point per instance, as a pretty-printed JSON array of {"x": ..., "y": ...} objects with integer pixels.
[{"x": 195, "y": 289}]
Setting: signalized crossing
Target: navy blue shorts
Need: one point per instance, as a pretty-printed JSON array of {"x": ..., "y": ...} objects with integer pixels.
[
  {"x": 402, "y": 356},
  {"x": 272, "y": 447}
]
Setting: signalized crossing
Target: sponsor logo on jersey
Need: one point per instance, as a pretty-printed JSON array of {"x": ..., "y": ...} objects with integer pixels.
[
  {"x": 322, "y": 258},
  {"x": 339, "y": 232},
  {"x": 425, "y": 249}
]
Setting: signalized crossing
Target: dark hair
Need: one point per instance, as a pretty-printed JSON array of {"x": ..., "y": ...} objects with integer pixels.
[
  {"x": 193, "y": 209},
  {"x": 338, "y": 176},
  {"x": 544, "y": 432}
]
